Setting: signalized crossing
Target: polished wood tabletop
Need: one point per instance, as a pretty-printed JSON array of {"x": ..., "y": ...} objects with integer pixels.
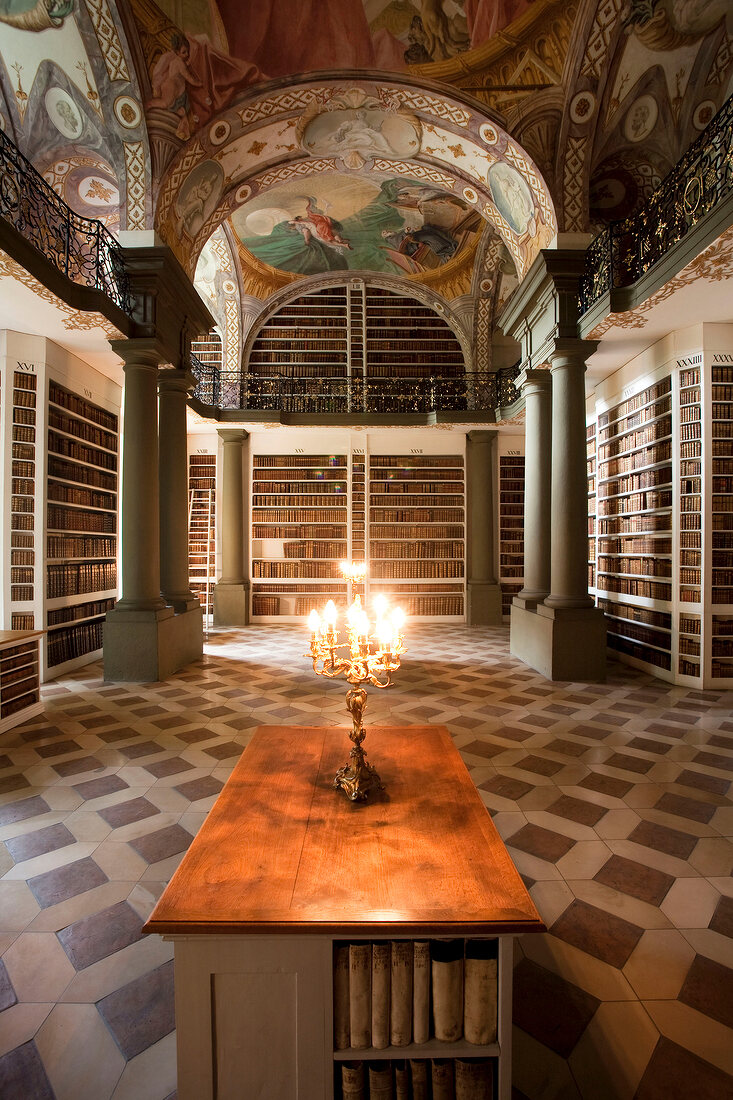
[{"x": 282, "y": 851}]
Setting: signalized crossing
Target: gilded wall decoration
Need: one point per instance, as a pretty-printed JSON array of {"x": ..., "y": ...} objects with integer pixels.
[
  {"x": 75, "y": 320},
  {"x": 108, "y": 38}
]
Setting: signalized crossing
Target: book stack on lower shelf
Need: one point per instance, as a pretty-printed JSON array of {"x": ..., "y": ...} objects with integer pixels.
[
  {"x": 511, "y": 529},
  {"x": 202, "y": 528},
  {"x": 409, "y": 1015},
  {"x": 20, "y": 695},
  {"x": 23, "y": 485},
  {"x": 590, "y": 452}
]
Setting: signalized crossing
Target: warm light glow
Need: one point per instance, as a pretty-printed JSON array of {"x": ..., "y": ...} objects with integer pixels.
[
  {"x": 380, "y": 605},
  {"x": 330, "y": 613},
  {"x": 398, "y": 619},
  {"x": 361, "y": 624},
  {"x": 314, "y": 622},
  {"x": 384, "y": 634}
]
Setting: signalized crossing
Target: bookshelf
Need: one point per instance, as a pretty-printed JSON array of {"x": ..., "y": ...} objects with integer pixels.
[
  {"x": 202, "y": 528},
  {"x": 20, "y": 697},
  {"x": 511, "y": 527},
  {"x": 721, "y": 520},
  {"x": 590, "y": 451},
  {"x": 23, "y": 527},
  {"x": 417, "y": 542},
  {"x": 299, "y": 533},
  {"x": 690, "y": 529},
  {"x": 634, "y": 524},
  {"x": 81, "y": 525}
]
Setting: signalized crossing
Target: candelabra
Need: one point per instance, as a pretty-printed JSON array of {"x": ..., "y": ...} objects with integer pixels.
[{"x": 369, "y": 656}]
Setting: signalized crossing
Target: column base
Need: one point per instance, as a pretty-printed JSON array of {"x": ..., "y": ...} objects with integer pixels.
[
  {"x": 483, "y": 603},
  {"x": 231, "y": 604},
  {"x": 562, "y": 644},
  {"x": 185, "y": 602},
  {"x": 528, "y": 600},
  {"x": 146, "y": 646}
]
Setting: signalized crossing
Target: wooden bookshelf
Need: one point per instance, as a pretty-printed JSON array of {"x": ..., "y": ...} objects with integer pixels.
[
  {"x": 20, "y": 697},
  {"x": 23, "y": 546},
  {"x": 590, "y": 451},
  {"x": 634, "y": 524},
  {"x": 690, "y": 528},
  {"x": 299, "y": 533},
  {"x": 81, "y": 525},
  {"x": 417, "y": 533},
  {"x": 721, "y": 520},
  {"x": 202, "y": 528},
  {"x": 511, "y": 528}
]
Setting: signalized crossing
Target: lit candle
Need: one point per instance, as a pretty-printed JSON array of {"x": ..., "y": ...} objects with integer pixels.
[{"x": 314, "y": 625}]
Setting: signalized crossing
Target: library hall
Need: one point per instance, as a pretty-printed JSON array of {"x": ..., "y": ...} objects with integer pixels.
[{"x": 366, "y": 662}]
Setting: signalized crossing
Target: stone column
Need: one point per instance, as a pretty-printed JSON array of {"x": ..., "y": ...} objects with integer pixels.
[
  {"x": 484, "y": 592},
  {"x": 173, "y": 389},
  {"x": 536, "y": 388},
  {"x": 231, "y": 593}
]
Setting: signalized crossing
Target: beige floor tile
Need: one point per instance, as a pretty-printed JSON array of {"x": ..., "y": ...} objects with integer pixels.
[
  {"x": 40, "y": 776},
  {"x": 107, "y": 975},
  {"x": 621, "y": 905},
  {"x": 150, "y": 1076},
  {"x": 63, "y": 798},
  {"x": 641, "y": 795},
  {"x": 584, "y": 859},
  {"x": 22, "y": 828},
  {"x": 595, "y": 977},
  {"x": 20, "y": 1023},
  {"x": 659, "y": 963},
  {"x": 617, "y": 824},
  {"x": 119, "y": 861},
  {"x": 713, "y": 856},
  {"x": 147, "y": 825},
  {"x": 192, "y": 821},
  {"x": 65, "y": 913},
  {"x": 38, "y": 967},
  {"x": 538, "y": 1071},
  {"x": 65, "y": 1040},
  {"x": 612, "y": 1054},
  {"x": 722, "y": 821},
  {"x": 142, "y": 899},
  {"x": 551, "y": 899},
  {"x": 711, "y": 944},
  {"x": 18, "y": 907},
  {"x": 50, "y": 861},
  {"x": 650, "y": 857},
  {"x": 538, "y": 799},
  {"x": 6, "y": 860},
  {"x": 707, "y": 1038},
  {"x": 87, "y": 825},
  {"x": 724, "y": 885},
  {"x": 690, "y": 903},
  {"x": 163, "y": 870},
  {"x": 534, "y": 867}
]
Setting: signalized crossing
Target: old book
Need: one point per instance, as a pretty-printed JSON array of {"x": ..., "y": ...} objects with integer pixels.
[
  {"x": 401, "y": 993},
  {"x": 442, "y": 1078},
  {"x": 360, "y": 995},
  {"x": 381, "y": 981},
  {"x": 480, "y": 991},
  {"x": 341, "y": 1025},
  {"x": 474, "y": 1079},
  {"x": 419, "y": 1075},
  {"x": 446, "y": 966},
  {"x": 401, "y": 1080},
  {"x": 380, "y": 1081},
  {"x": 421, "y": 992},
  {"x": 352, "y": 1081}
]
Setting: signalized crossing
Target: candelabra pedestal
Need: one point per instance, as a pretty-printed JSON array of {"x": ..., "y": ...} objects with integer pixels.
[{"x": 358, "y": 777}]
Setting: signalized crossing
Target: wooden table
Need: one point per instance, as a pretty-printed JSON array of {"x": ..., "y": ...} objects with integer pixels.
[{"x": 284, "y": 866}]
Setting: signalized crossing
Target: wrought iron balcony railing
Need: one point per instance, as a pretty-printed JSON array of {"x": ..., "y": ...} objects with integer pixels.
[
  {"x": 627, "y": 249},
  {"x": 80, "y": 248},
  {"x": 476, "y": 391}
]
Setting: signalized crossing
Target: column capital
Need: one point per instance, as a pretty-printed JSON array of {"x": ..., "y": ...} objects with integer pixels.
[
  {"x": 232, "y": 435},
  {"x": 534, "y": 380},
  {"x": 143, "y": 352},
  {"x": 172, "y": 380},
  {"x": 569, "y": 353},
  {"x": 481, "y": 436}
]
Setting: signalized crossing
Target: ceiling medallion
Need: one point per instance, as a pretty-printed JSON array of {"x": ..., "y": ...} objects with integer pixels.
[{"x": 354, "y": 127}]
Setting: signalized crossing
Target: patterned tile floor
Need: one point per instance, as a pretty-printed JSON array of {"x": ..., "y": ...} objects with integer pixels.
[{"x": 613, "y": 800}]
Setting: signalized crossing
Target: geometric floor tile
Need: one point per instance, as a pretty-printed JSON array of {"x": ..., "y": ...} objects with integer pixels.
[
  {"x": 7, "y": 993},
  {"x": 674, "y": 1073},
  {"x": 709, "y": 989},
  {"x": 153, "y": 847},
  {"x": 672, "y": 842},
  {"x": 97, "y": 788},
  {"x": 645, "y": 883},
  {"x": 578, "y": 810},
  {"x": 537, "y": 994},
  {"x": 90, "y": 939},
  {"x": 141, "y": 1012},
  {"x": 196, "y": 789},
  {"x": 22, "y": 1076},
  {"x": 722, "y": 918},
  {"x": 22, "y": 810},
  {"x": 124, "y": 813},
  {"x": 540, "y": 842},
  {"x": 38, "y": 843},
  {"x": 604, "y": 935},
  {"x": 53, "y": 887}
]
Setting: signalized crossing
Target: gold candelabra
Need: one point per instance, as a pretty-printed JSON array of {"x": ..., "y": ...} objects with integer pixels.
[{"x": 372, "y": 655}]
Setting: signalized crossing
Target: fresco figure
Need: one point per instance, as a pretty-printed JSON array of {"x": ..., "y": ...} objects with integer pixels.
[
  {"x": 198, "y": 196},
  {"x": 512, "y": 196},
  {"x": 35, "y": 15},
  {"x": 316, "y": 224}
]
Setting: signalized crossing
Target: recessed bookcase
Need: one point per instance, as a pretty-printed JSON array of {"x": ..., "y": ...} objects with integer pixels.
[
  {"x": 81, "y": 524},
  {"x": 202, "y": 528},
  {"x": 721, "y": 519},
  {"x": 511, "y": 527},
  {"x": 590, "y": 450},
  {"x": 23, "y": 533}
]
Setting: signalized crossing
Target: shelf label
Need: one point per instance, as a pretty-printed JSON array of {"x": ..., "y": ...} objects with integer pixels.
[
  {"x": 513, "y": 453},
  {"x": 416, "y": 450},
  {"x": 357, "y": 450},
  {"x": 299, "y": 450},
  {"x": 202, "y": 451},
  {"x": 29, "y": 367}
]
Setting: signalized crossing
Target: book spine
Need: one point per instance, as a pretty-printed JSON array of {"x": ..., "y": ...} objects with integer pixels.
[
  {"x": 447, "y": 974},
  {"x": 420, "y": 1079},
  {"x": 360, "y": 995},
  {"x": 421, "y": 992},
  {"x": 442, "y": 1078},
  {"x": 380, "y": 1081},
  {"x": 480, "y": 993},
  {"x": 473, "y": 1079},
  {"x": 401, "y": 995},
  {"x": 352, "y": 1081},
  {"x": 401, "y": 1081},
  {"x": 381, "y": 982},
  {"x": 341, "y": 1006}
]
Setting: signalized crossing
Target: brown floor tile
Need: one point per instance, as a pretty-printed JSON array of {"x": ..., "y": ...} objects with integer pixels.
[
  {"x": 141, "y": 748},
  {"x": 197, "y": 789},
  {"x": 124, "y": 813},
  {"x": 110, "y": 737},
  {"x": 708, "y": 987},
  {"x": 38, "y": 843},
  {"x": 512, "y": 733},
  {"x": 22, "y": 810},
  {"x": 627, "y": 763},
  {"x": 7, "y": 994},
  {"x": 141, "y": 1012},
  {"x": 701, "y": 782},
  {"x": 77, "y": 766},
  {"x": 170, "y": 720},
  {"x": 224, "y": 751},
  {"x": 172, "y": 766},
  {"x": 567, "y": 748},
  {"x": 722, "y": 919},
  {"x": 506, "y": 787},
  {"x": 22, "y": 1076},
  {"x": 606, "y": 784},
  {"x": 713, "y": 760},
  {"x": 192, "y": 737},
  {"x": 645, "y": 744},
  {"x": 677, "y": 804},
  {"x": 483, "y": 748},
  {"x": 57, "y": 748},
  {"x": 577, "y": 809},
  {"x": 540, "y": 842},
  {"x": 670, "y": 841},
  {"x": 5, "y": 762},
  {"x": 97, "y": 788},
  {"x": 93, "y": 938},
  {"x": 636, "y": 879},
  {"x": 62, "y": 883},
  {"x": 537, "y": 720},
  {"x": 603, "y": 935},
  {"x": 163, "y": 843},
  {"x": 13, "y": 783},
  {"x": 671, "y": 1072},
  {"x": 539, "y": 765},
  {"x": 537, "y": 994}
]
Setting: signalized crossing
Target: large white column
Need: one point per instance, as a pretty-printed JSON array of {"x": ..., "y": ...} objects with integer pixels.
[
  {"x": 483, "y": 591},
  {"x": 536, "y": 387},
  {"x": 173, "y": 389},
  {"x": 231, "y": 593}
]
